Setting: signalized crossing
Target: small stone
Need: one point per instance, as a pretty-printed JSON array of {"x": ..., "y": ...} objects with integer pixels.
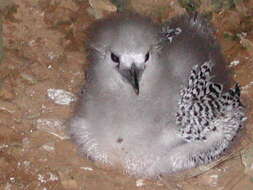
[
  {"x": 140, "y": 183},
  {"x": 52, "y": 126},
  {"x": 48, "y": 147},
  {"x": 51, "y": 55},
  {"x": 12, "y": 179},
  {"x": 52, "y": 177},
  {"x": 60, "y": 96},
  {"x": 41, "y": 178},
  {"x": 26, "y": 163},
  {"x": 47, "y": 177},
  {"x": 234, "y": 63},
  {"x": 86, "y": 168}
]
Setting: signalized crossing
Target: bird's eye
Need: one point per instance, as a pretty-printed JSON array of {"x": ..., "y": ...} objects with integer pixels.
[
  {"x": 114, "y": 58},
  {"x": 146, "y": 57}
]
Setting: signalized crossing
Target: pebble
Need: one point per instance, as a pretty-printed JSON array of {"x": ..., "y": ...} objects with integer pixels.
[
  {"x": 52, "y": 177},
  {"x": 41, "y": 178},
  {"x": 48, "y": 147},
  {"x": 234, "y": 63},
  {"x": 140, "y": 183},
  {"x": 86, "y": 168},
  {"x": 60, "y": 96},
  {"x": 52, "y": 126}
]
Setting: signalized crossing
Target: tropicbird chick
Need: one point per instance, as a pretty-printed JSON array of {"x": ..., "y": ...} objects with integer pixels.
[{"x": 153, "y": 101}]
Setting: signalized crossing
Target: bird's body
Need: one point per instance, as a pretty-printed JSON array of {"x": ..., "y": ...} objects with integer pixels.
[{"x": 133, "y": 110}]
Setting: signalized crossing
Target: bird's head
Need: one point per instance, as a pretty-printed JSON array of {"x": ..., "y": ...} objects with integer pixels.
[
  {"x": 128, "y": 44},
  {"x": 130, "y": 65}
]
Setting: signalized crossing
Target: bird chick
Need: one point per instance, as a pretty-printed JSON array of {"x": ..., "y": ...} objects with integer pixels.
[{"x": 156, "y": 98}]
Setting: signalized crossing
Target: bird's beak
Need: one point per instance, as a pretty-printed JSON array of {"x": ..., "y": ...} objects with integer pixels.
[
  {"x": 134, "y": 81},
  {"x": 133, "y": 76}
]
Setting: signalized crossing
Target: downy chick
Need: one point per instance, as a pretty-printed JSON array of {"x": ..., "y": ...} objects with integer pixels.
[{"x": 154, "y": 100}]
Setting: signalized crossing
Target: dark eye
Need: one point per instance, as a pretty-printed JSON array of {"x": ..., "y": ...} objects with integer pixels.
[
  {"x": 114, "y": 58},
  {"x": 146, "y": 57}
]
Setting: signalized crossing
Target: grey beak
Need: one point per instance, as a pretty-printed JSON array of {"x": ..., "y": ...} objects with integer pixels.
[
  {"x": 133, "y": 76},
  {"x": 134, "y": 73}
]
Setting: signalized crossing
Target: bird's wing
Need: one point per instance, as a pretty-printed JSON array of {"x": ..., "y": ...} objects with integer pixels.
[{"x": 204, "y": 108}]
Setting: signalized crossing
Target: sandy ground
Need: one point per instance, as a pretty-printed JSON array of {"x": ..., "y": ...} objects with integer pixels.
[{"x": 42, "y": 71}]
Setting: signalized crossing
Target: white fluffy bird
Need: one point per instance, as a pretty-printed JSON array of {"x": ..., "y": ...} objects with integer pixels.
[{"x": 156, "y": 98}]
